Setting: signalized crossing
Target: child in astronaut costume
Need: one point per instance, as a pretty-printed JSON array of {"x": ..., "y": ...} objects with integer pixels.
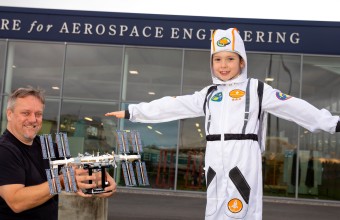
[{"x": 234, "y": 128}]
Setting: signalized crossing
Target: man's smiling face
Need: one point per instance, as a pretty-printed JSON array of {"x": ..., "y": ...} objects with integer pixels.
[{"x": 25, "y": 118}]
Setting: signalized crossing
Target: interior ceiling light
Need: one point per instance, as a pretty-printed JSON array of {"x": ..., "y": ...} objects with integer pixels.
[
  {"x": 197, "y": 124},
  {"x": 268, "y": 79},
  {"x": 88, "y": 118},
  {"x": 158, "y": 132},
  {"x": 151, "y": 93},
  {"x": 55, "y": 87},
  {"x": 149, "y": 127},
  {"x": 133, "y": 72}
]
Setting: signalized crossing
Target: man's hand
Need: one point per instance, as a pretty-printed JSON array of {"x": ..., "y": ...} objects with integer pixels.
[
  {"x": 110, "y": 189},
  {"x": 82, "y": 180}
]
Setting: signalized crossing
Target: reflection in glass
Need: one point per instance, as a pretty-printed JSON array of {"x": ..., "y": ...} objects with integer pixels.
[
  {"x": 3, "y": 47},
  {"x": 320, "y": 152},
  {"x": 196, "y": 72},
  {"x": 93, "y": 72},
  {"x": 151, "y": 73},
  {"x": 196, "y": 76},
  {"x": 159, "y": 145},
  {"x": 280, "y": 71},
  {"x": 279, "y": 159},
  {"x": 321, "y": 79},
  {"x": 50, "y": 117},
  {"x": 4, "y": 114},
  {"x": 2, "y": 70},
  {"x": 35, "y": 64},
  {"x": 87, "y": 128},
  {"x": 191, "y": 155}
]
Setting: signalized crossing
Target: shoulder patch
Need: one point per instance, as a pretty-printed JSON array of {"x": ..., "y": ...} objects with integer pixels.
[
  {"x": 217, "y": 97},
  {"x": 281, "y": 96}
]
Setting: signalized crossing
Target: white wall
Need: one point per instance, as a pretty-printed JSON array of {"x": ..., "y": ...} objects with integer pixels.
[{"x": 324, "y": 10}]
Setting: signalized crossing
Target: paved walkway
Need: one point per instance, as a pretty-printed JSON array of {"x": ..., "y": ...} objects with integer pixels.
[{"x": 129, "y": 204}]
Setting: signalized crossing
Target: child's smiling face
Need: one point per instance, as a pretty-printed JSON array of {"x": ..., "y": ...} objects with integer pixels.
[{"x": 227, "y": 65}]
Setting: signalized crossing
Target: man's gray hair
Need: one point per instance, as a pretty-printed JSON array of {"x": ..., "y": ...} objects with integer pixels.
[{"x": 24, "y": 92}]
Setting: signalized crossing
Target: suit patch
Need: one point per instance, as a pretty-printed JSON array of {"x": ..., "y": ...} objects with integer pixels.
[
  {"x": 281, "y": 96},
  {"x": 217, "y": 97},
  {"x": 236, "y": 94},
  {"x": 235, "y": 205},
  {"x": 223, "y": 42}
]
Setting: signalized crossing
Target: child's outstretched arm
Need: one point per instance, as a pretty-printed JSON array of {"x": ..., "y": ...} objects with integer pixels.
[
  {"x": 117, "y": 114},
  {"x": 164, "y": 109}
]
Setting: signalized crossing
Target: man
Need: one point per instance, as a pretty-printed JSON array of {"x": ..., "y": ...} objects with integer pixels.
[{"x": 24, "y": 190}]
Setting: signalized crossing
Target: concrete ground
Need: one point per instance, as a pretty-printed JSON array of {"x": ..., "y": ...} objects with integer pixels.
[{"x": 128, "y": 204}]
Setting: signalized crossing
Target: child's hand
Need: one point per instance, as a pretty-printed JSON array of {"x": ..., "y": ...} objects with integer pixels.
[{"x": 118, "y": 114}]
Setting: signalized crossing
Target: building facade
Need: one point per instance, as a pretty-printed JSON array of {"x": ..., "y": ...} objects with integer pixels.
[{"x": 90, "y": 63}]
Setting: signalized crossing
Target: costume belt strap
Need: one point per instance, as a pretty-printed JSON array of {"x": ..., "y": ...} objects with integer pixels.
[{"x": 217, "y": 137}]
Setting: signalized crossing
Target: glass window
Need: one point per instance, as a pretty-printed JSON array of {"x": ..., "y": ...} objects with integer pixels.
[
  {"x": 321, "y": 79},
  {"x": 196, "y": 72},
  {"x": 191, "y": 155},
  {"x": 279, "y": 168},
  {"x": 4, "y": 114},
  {"x": 196, "y": 76},
  {"x": 151, "y": 73},
  {"x": 320, "y": 152},
  {"x": 258, "y": 65},
  {"x": 87, "y": 128},
  {"x": 280, "y": 71},
  {"x": 50, "y": 117},
  {"x": 93, "y": 72},
  {"x": 2, "y": 70},
  {"x": 2, "y": 61},
  {"x": 159, "y": 151},
  {"x": 35, "y": 64}
]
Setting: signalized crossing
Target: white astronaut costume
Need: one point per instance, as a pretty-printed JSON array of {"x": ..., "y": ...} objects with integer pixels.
[{"x": 235, "y": 134}]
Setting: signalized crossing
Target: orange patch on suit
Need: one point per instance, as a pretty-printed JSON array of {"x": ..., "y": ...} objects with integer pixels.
[
  {"x": 236, "y": 94},
  {"x": 235, "y": 205}
]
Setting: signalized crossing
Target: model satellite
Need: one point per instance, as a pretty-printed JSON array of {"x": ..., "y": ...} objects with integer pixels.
[{"x": 129, "y": 147}]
